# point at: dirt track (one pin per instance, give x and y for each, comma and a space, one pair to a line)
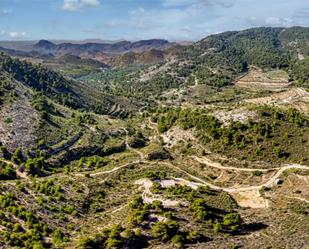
209, 162
249, 195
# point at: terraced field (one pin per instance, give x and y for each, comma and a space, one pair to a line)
258, 80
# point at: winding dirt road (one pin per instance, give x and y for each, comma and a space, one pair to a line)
110, 171
270, 182
208, 162
149, 197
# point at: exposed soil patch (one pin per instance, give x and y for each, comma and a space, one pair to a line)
250, 198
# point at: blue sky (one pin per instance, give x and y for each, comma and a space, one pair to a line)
142, 19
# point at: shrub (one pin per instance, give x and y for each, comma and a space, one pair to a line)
200, 210
178, 241
194, 236
137, 142
257, 173
57, 236
7, 172
232, 222
17, 156
164, 230
159, 155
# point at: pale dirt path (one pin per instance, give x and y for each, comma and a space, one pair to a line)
219, 177
208, 162
248, 191
298, 198
142, 156
248, 196
193, 185
153, 125
245, 196
112, 170
117, 209
269, 183
57, 148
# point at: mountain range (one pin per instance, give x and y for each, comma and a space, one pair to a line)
48, 47
114, 54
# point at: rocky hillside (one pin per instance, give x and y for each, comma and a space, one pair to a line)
219, 60
53, 85
198, 146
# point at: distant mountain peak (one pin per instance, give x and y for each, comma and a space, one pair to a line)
44, 44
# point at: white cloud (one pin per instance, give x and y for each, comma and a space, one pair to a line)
13, 34
17, 34
169, 23
75, 5
192, 19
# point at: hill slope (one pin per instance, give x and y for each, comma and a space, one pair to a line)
200, 150
53, 85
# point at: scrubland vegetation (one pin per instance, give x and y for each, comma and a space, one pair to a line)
174, 154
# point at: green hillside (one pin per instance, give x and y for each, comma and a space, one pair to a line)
207, 148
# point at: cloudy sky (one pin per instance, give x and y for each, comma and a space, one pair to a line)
142, 19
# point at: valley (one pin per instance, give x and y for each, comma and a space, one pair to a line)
163, 145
